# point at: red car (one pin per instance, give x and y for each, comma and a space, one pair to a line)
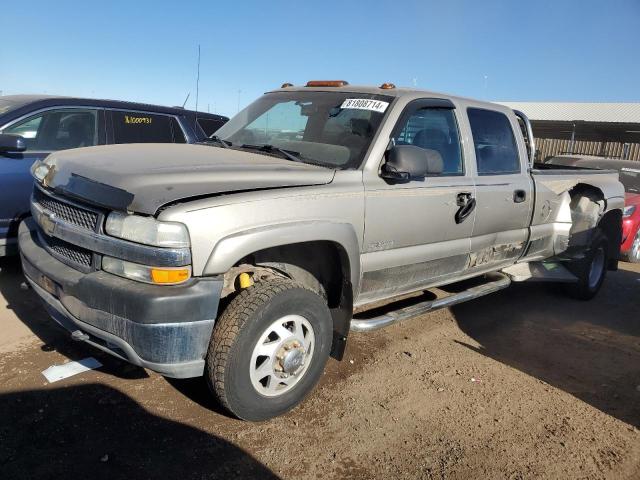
630, 178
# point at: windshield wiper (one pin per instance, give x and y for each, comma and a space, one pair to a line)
293, 156
215, 138
290, 154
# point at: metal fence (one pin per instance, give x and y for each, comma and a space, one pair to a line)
547, 147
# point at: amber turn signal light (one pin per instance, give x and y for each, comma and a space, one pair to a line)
170, 275
387, 86
327, 83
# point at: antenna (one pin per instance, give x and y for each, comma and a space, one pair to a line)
195, 122
198, 78
185, 100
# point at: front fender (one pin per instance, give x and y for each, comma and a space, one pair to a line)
229, 250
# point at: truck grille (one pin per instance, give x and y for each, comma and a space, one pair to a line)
74, 256
72, 213
69, 213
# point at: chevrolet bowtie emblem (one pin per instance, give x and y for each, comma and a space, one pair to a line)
48, 223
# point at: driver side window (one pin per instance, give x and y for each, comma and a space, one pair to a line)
434, 129
58, 129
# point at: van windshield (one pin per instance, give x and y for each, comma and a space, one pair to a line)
332, 129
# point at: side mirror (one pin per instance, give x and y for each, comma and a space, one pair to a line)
10, 143
406, 162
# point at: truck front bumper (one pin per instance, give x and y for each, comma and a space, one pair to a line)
163, 328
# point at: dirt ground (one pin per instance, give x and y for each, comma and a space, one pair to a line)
524, 383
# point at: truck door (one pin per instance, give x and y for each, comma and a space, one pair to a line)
414, 233
503, 189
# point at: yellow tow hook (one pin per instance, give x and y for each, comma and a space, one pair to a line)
245, 280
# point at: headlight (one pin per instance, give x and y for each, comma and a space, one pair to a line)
40, 170
147, 230
145, 273
628, 210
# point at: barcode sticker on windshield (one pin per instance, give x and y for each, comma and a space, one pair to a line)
365, 104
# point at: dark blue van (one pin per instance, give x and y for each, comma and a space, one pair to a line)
32, 126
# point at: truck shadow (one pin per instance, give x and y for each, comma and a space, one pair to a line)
588, 349
94, 431
27, 307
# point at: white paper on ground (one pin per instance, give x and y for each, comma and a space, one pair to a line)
60, 372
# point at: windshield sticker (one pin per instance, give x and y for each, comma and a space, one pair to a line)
130, 119
365, 104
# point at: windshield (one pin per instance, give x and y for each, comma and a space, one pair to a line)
332, 129
630, 178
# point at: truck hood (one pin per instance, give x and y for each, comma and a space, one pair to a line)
144, 177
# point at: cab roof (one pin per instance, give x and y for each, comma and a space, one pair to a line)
397, 92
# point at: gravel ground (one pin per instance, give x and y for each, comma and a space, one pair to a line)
524, 383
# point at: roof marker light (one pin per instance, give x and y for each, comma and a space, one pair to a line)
387, 86
286, 85
327, 83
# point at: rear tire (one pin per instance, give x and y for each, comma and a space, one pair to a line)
268, 349
591, 270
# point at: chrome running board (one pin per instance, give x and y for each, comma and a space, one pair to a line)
495, 282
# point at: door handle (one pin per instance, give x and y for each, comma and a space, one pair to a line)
519, 196
463, 198
466, 203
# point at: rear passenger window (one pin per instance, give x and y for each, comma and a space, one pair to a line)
136, 127
495, 145
434, 129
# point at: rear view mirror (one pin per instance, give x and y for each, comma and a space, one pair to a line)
406, 162
10, 143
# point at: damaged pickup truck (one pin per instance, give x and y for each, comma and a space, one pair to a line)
244, 259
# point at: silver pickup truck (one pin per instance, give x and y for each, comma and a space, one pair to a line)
245, 258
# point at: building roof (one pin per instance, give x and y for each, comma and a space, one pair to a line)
587, 112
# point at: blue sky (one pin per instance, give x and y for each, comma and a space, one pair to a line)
493, 49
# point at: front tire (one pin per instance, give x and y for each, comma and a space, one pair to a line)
591, 270
268, 349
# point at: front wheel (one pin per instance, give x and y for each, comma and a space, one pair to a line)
591, 270
268, 349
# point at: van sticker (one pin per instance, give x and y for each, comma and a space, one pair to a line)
138, 120
365, 104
